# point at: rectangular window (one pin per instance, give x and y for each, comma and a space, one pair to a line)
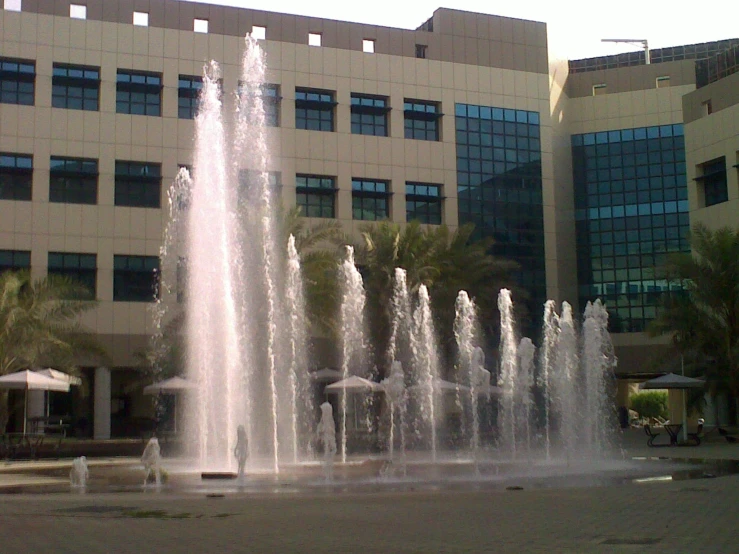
139, 93
271, 101
135, 278
421, 51
423, 203
138, 184
73, 180
250, 185
714, 183
259, 32
15, 260
368, 46
421, 119
200, 25
599, 89
16, 176
80, 267
314, 39
12, 5
188, 92
316, 194
17, 81
663, 81
370, 199
141, 19
78, 11
314, 109
369, 115
75, 87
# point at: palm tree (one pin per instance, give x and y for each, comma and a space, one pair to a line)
445, 261
702, 317
39, 324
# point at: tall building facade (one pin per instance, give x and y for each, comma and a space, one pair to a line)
586, 172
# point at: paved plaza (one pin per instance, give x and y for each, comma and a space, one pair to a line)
692, 516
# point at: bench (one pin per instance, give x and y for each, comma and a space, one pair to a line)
651, 436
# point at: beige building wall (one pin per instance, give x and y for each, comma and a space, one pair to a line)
470, 60
710, 136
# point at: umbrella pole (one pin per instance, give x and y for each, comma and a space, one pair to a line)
25, 411
685, 415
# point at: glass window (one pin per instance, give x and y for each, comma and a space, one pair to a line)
73, 180
135, 278
258, 32
141, 19
138, 184
251, 182
75, 87
421, 51
16, 176
15, 260
421, 119
139, 93
78, 11
369, 115
80, 267
714, 183
188, 92
423, 203
271, 101
631, 199
316, 195
370, 199
17, 81
314, 109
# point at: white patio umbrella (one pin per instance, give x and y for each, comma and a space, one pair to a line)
354, 384
326, 375
674, 381
31, 380
170, 386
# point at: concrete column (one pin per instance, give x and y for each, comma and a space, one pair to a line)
101, 417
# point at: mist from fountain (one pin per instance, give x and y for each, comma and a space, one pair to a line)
351, 313
524, 412
547, 354
465, 335
565, 391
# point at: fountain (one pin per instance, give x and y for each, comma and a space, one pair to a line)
152, 460
394, 386
507, 379
79, 473
470, 362
327, 438
565, 389
546, 364
524, 414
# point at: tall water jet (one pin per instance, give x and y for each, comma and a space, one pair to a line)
598, 361
300, 409
214, 350
395, 392
546, 363
351, 313
426, 357
564, 381
465, 324
526, 355
508, 372
251, 150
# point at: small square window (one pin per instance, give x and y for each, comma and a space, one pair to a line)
368, 45
200, 25
258, 32
141, 19
663, 81
421, 51
599, 89
77, 11
12, 5
314, 39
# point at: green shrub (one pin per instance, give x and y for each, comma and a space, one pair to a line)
650, 403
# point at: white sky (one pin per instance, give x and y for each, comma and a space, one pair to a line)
575, 26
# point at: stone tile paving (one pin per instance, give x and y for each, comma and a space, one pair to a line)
697, 516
